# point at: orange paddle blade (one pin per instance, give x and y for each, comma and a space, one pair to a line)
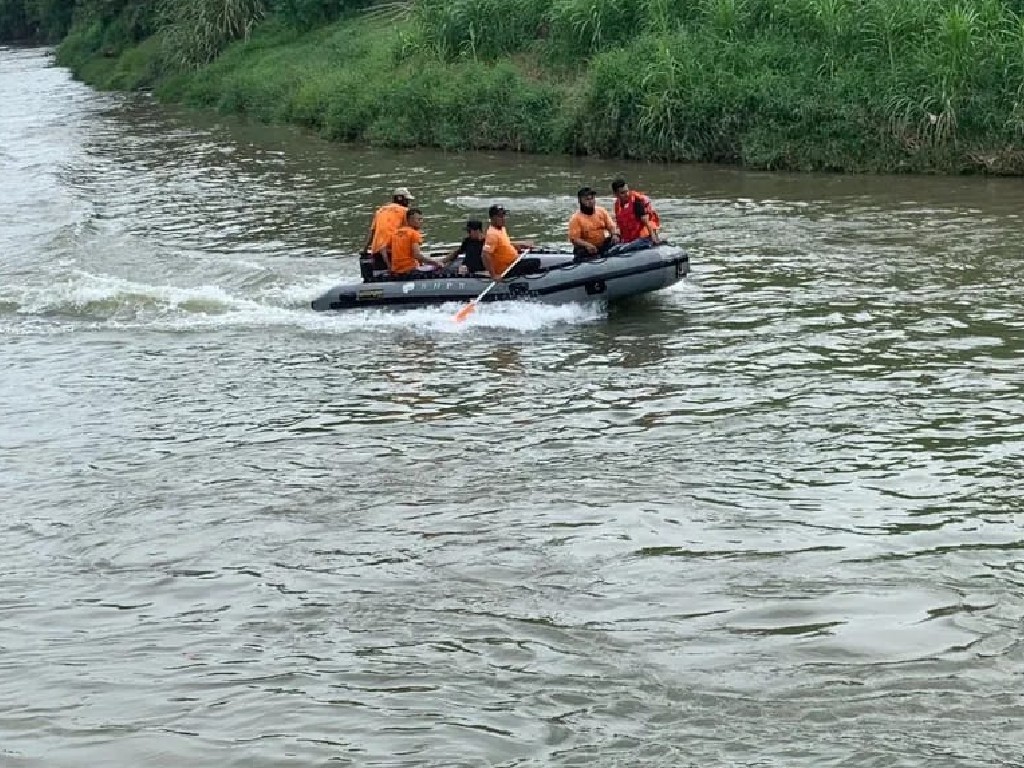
465, 312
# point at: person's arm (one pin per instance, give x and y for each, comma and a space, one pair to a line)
640, 211
452, 255
418, 255
653, 229
609, 224
486, 254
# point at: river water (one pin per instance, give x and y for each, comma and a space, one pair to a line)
767, 517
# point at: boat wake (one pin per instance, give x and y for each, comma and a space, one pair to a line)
84, 301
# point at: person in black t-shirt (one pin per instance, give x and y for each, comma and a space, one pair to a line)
471, 249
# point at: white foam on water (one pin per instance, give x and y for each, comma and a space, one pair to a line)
116, 302
297, 294
108, 296
517, 316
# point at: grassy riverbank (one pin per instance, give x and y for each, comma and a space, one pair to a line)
877, 85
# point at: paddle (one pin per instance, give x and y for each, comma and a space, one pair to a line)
467, 310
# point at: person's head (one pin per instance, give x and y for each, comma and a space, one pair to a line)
402, 196
587, 198
475, 229
414, 218
497, 214
620, 189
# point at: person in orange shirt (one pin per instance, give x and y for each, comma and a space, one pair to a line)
591, 229
386, 221
404, 253
499, 250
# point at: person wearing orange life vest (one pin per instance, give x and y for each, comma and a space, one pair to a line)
404, 254
386, 221
635, 215
499, 250
591, 229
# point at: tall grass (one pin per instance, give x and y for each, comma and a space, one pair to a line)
196, 31
849, 85
723, 18
323, 82
478, 29
584, 27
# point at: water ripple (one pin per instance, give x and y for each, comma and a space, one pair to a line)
779, 496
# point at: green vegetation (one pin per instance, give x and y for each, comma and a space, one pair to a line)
34, 21
876, 85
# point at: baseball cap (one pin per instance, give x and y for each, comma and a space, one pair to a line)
403, 192
495, 210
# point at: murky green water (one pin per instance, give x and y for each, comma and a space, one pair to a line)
768, 517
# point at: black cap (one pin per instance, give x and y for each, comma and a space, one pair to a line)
496, 210
584, 191
473, 225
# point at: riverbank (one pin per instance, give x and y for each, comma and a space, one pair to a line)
929, 86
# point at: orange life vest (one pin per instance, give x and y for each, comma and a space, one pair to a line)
630, 226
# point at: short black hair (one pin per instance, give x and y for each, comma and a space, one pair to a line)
584, 191
495, 210
474, 224
412, 212
618, 184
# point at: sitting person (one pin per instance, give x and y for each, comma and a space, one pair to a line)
471, 249
386, 221
591, 229
635, 215
404, 254
500, 253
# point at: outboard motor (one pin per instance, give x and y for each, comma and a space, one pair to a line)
373, 268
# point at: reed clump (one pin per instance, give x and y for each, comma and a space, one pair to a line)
871, 85
195, 32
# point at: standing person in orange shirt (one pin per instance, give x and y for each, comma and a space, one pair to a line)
591, 229
635, 215
404, 254
386, 221
499, 250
